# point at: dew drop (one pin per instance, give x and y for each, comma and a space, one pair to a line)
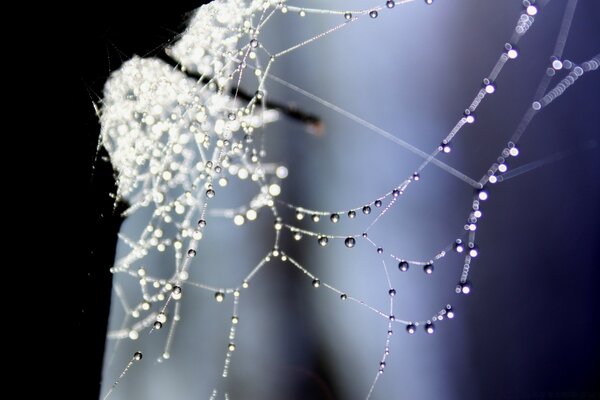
403, 266
350, 242
210, 193
191, 253
202, 223
377, 203
392, 292
231, 347
316, 283
428, 268
445, 147
373, 13
429, 2
366, 210
411, 328
463, 287
299, 216
334, 218
176, 290
429, 328
137, 356
297, 236
254, 43
323, 240
380, 250
219, 297
315, 218
351, 214
474, 251
161, 317
343, 296
449, 312
390, 3
348, 16
157, 325
395, 193
459, 247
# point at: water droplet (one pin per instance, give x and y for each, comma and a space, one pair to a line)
231, 347
210, 193
512, 52
469, 116
377, 203
474, 251
392, 292
373, 13
411, 328
161, 317
343, 296
316, 283
231, 116
392, 318
219, 297
390, 3
366, 210
348, 16
157, 325
176, 290
254, 43
380, 250
323, 240
536, 105
395, 193
449, 312
459, 247
259, 94
428, 268
489, 86
191, 253
350, 242
403, 266
445, 147
299, 215
137, 356
315, 218
334, 218
464, 287
429, 328
416, 176
202, 223
429, 2
297, 236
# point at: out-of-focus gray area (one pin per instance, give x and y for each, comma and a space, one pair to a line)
529, 324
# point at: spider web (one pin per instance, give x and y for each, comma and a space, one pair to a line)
197, 160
